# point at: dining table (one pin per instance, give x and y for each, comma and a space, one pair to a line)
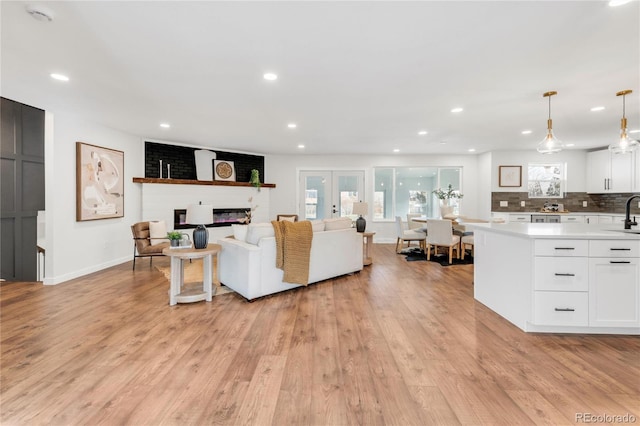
457, 222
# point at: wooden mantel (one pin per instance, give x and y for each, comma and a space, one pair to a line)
198, 182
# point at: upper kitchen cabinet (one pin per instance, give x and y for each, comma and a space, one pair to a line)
608, 172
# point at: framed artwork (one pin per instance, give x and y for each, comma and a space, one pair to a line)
224, 170
99, 182
510, 176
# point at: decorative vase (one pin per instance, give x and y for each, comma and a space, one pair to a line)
175, 243
361, 224
200, 237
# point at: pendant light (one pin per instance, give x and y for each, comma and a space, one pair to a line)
550, 144
624, 145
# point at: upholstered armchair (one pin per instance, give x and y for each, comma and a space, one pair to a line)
144, 245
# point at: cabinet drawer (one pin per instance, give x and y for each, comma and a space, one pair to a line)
561, 308
519, 218
562, 248
561, 273
572, 219
614, 248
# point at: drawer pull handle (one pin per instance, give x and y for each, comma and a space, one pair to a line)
564, 275
620, 249
565, 310
619, 261
565, 248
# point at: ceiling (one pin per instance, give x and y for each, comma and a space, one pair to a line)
356, 77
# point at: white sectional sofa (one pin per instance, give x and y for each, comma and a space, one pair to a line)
248, 266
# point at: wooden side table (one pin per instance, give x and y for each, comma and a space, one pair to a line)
178, 256
367, 240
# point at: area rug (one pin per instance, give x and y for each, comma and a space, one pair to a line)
193, 275
443, 259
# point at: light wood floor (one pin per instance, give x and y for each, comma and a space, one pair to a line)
401, 343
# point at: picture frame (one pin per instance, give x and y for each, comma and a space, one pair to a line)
99, 182
510, 176
224, 170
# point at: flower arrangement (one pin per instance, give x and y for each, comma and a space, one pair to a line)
248, 213
448, 194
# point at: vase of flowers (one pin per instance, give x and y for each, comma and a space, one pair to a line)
445, 196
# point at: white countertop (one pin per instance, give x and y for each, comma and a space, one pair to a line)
559, 230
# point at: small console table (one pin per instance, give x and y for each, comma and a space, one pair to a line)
178, 256
367, 240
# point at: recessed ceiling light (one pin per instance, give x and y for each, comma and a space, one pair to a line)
458, 109
634, 131
443, 142
526, 132
300, 146
292, 125
570, 144
614, 3
270, 76
472, 150
165, 125
396, 150
422, 132
598, 108
59, 77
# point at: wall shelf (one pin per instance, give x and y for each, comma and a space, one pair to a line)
199, 182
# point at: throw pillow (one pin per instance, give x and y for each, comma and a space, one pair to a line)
317, 225
240, 232
158, 232
337, 223
257, 231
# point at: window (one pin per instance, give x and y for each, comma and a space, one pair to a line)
545, 180
402, 190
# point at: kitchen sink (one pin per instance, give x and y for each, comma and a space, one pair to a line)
626, 231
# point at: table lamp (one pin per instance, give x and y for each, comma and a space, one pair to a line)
360, 209
200, 215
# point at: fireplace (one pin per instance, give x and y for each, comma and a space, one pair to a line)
221, 217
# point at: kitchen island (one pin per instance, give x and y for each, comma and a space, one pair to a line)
559, 278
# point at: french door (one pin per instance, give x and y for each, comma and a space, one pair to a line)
329, 193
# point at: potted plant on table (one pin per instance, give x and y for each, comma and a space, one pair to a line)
174, 237
444, 196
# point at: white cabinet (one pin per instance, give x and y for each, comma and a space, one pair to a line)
586, 283
608, 172
561, 283
592, 219
614, 283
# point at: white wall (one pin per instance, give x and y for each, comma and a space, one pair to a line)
283, 171
484, 185
75, 248
576, 161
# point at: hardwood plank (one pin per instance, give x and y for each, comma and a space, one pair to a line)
398, 343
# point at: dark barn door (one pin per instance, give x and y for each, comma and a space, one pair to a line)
21, 189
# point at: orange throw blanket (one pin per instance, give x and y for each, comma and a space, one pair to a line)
293, 249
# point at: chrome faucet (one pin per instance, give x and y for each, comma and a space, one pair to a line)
627, 214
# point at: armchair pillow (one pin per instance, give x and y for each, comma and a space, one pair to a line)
157, 232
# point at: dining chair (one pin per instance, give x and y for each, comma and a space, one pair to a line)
410, 223
441, 235
466, 240
408, 235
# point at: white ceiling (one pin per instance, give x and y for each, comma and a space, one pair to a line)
355, 76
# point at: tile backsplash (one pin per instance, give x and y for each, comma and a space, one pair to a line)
572, 201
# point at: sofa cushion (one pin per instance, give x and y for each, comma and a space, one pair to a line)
257, 231
317, 225
240, 232
337, 223
157, 232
